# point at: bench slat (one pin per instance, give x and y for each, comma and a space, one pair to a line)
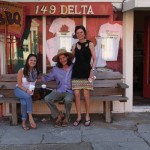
122, 85
8, 77
99, 74
106, 91
11, 85
96, 92
106, 83
108, 75
52, 84
101, 98
109, 98
9, 100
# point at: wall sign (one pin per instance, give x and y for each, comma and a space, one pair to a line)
65, 10
68, 8
12, 18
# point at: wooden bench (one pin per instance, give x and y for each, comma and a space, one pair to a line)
108, 87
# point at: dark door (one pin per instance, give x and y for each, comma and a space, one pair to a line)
146, 88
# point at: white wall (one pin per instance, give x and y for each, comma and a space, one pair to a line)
136, 4
2, 54
128, 18
128, 30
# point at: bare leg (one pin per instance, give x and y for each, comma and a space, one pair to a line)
78, 107
24, 126
31, 120
23, 123
87, 104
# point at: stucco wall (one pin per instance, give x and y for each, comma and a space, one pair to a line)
128, 30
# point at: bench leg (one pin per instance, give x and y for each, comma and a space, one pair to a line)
107, 111
1, 110
14, 114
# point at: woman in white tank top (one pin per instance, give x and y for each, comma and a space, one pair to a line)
26, 80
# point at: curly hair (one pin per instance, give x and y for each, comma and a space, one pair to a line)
69, 62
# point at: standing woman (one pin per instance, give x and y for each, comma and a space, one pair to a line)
83, 69
26, 78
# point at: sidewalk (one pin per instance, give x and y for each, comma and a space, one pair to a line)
130, 131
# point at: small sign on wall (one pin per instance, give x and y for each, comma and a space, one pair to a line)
12, 18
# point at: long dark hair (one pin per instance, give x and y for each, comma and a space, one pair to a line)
26, 66
69, 62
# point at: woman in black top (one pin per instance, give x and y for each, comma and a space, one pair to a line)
83, 69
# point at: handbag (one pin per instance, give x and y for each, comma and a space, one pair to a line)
40, 93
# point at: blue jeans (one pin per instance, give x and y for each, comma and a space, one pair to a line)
53, 97
26, 102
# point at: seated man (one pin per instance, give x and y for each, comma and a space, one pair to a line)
62, 74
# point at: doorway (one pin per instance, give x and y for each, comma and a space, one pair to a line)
139, 55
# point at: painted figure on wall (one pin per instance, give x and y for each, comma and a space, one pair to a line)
62, 29
108, 45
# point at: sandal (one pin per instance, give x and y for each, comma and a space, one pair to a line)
61, 115
59, 119
65, 123
87, 123
77, 122
32, 124
25, 128
58, 123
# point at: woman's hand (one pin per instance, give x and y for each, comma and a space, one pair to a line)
91, 74
92, 77
29, 92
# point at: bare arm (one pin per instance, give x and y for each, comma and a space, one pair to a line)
73, 49
92, 49
19, 80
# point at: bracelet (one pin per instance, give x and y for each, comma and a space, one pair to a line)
93, 69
